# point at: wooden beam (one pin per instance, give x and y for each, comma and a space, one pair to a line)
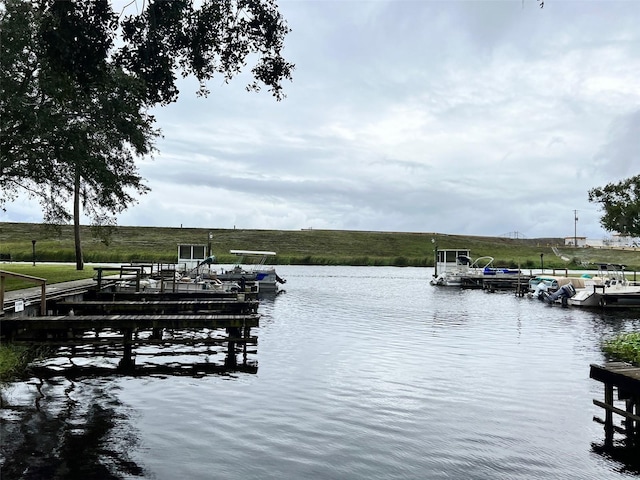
611, 408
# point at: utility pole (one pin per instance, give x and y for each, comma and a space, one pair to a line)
575, 228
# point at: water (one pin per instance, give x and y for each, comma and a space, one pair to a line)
363, 373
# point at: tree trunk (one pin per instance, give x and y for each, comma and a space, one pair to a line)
76, 222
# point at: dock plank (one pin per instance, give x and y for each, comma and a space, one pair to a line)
118, 321
623, 375
156, 306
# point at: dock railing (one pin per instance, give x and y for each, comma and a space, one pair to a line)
135, 272
41, 281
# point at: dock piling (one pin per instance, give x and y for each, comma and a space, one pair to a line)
624, 378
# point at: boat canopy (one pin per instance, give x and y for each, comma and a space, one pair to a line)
252, 252
258, 257
611, 267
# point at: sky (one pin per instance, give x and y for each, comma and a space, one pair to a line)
458, 117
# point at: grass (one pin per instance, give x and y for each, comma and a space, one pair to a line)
10, 361
624, 347
15, 359
294, 247
51, 272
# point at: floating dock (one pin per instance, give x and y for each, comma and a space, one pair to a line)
495, 283
455, 268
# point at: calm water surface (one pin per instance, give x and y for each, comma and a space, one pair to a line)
362, 373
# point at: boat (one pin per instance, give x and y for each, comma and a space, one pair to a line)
251, 267
195, 280
196, 260
609, 288
554, 288
456, 268
551, 283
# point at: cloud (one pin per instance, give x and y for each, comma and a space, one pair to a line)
458, 117
619, 156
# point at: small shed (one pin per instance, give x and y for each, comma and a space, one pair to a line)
575, 241
191, 255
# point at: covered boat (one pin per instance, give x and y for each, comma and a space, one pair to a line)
456, 268
252, 267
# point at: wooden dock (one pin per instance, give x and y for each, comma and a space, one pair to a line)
496, 283
124, 321
39, 330
624, 379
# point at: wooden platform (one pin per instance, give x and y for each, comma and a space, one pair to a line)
625, 379
145, 296
493, 283
155, 307
622, 375
121, 322
40, 327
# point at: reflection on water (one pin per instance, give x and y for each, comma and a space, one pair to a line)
167, 359
364, 373
60, 429
623, 458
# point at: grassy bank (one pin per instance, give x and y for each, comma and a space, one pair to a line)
294, 247
14, 360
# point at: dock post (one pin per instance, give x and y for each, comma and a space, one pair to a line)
99, 279
636, 432
246, 335
43, 299
127, 362
608, 419
632, 425
232, 361
629, 423
156, 333
138, 278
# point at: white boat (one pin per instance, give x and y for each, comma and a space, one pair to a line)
555, 288
551, 283
455, 268
195, 262
192, 273
252, 267
608, 288
184, 283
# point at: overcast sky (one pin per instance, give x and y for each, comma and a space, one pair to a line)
461, 117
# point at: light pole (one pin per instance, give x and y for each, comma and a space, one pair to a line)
575, 229
33, 245
435, 257
209, 245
